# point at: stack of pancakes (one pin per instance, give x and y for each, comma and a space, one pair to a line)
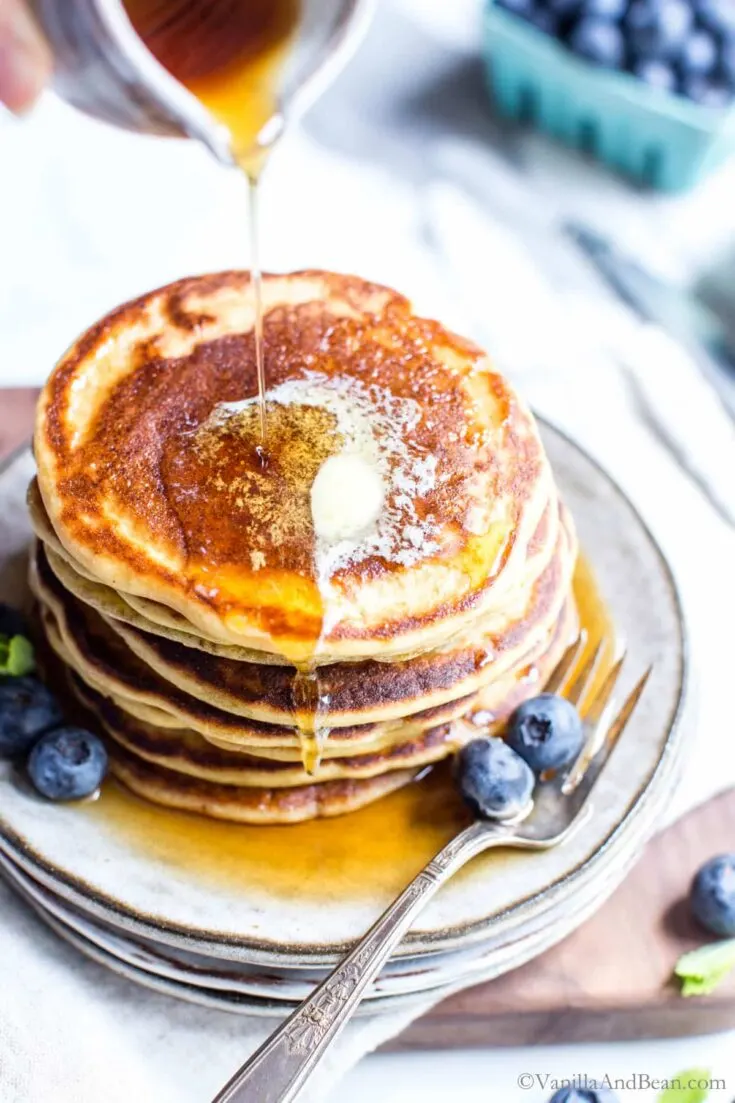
244, 654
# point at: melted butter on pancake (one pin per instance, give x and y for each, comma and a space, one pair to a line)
346, 497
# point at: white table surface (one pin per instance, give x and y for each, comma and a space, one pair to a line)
89, 216
495, 1075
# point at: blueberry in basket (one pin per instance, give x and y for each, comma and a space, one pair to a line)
598, 40
684, 47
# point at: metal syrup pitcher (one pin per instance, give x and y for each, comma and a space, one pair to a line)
102, 66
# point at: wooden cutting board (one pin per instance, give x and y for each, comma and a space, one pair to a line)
611, 980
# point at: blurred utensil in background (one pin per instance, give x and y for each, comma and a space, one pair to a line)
513, 256
679, 368
688, 321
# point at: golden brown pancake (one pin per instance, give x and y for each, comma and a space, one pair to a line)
358, 693
187, 752
145, 441
242, 804
138, 693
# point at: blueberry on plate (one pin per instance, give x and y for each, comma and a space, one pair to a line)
67, 764
27, 709
659, 74
492, 779
587, 1094
12, 621
599, 41
658, 28
698, 54
713, 896
546, 731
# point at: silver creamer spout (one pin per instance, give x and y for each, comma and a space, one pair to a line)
102, 67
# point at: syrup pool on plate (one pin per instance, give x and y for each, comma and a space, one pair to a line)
374, 852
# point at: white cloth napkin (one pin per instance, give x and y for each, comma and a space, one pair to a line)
88, 217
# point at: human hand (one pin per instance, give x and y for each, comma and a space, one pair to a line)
25, 59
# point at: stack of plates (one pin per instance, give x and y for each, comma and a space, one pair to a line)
248, 918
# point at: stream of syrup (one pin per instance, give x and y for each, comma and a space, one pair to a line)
230, 54
375, 851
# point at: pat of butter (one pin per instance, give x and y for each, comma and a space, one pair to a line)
346, 497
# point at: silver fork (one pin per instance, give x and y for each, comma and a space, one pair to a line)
279, 1070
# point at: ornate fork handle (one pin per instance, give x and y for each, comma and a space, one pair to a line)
279, 1069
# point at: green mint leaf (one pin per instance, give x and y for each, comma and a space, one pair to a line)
680, 1092
21, 657
703, 970
16, 656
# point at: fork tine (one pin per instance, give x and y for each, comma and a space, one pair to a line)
565, 664
592, 724
601, 698
583, 789
577, 690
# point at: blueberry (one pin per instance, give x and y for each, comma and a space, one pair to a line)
708, 93
544, 20
564, 9
658, 28
27, 710
493, 780
546, 731
698, 55
717, 16
656, 73
606, 9
598, 40
67, 764
713, 895
518, 7
588, 1094
12, 621
727, 65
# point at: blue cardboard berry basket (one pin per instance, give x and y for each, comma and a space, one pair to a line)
656, 137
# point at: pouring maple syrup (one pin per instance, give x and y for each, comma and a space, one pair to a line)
230, 54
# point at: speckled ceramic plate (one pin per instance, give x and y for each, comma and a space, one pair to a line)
296, 896
292, 986
219, 987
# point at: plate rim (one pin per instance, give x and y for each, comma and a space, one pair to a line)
449, 936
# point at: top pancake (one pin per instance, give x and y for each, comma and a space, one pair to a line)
145, 442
